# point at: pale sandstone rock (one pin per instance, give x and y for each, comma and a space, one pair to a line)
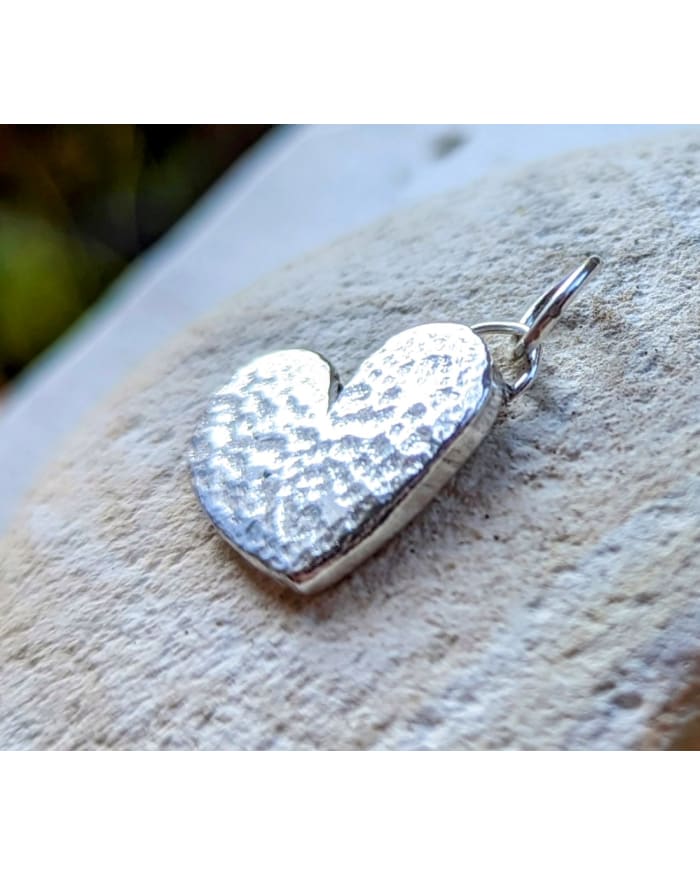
548, 598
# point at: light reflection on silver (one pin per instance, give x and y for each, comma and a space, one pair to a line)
306, 491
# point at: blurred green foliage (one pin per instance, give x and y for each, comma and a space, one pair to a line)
78, 202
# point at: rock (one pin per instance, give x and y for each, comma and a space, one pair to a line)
547, 598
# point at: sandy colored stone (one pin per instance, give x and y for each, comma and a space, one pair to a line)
548, 598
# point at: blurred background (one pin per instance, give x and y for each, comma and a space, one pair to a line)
79, 202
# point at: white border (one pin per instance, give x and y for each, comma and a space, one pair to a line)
350, 813
355, 62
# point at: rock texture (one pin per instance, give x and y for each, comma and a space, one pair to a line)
548, 598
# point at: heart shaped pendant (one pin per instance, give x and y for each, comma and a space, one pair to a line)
306, 479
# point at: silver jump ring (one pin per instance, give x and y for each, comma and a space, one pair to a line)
542, 315
533, 355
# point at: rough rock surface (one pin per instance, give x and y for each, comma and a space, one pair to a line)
548, 598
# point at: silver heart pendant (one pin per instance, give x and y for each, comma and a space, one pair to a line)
306, 479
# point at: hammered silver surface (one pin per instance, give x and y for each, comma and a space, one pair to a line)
295, 473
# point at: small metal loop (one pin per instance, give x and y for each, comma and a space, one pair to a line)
542, 315
517, 329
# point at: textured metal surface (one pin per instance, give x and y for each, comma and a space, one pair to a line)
306, 480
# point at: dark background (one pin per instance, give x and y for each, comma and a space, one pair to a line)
79, 202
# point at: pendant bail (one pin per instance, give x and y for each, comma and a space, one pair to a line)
516, 329
543, 314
